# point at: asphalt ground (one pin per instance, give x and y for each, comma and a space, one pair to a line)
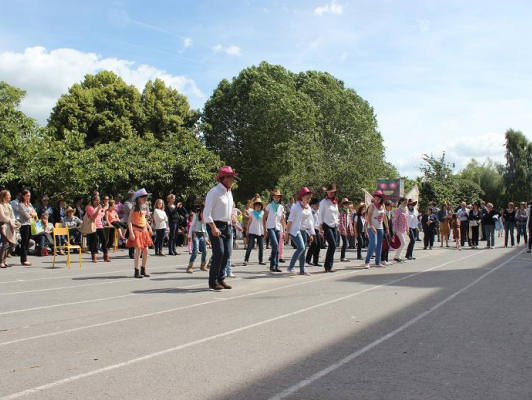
449, 325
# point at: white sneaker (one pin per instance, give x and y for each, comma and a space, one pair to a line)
492, 247
386, 263
367, 266
231, 275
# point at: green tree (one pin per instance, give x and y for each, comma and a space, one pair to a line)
489, 176
518, 170
103, 107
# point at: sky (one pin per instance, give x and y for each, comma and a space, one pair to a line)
447, 76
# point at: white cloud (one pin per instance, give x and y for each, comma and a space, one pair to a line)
333, 8
423, 24
46, 75
231, 50
187, 42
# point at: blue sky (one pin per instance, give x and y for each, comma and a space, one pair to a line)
450, 75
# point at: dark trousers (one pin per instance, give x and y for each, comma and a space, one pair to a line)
475, 233
222, 248
360, 244
428, 237
159, 240
172, 237
93, 241
385, 247
345, 242
464, 232
25, 234
412, 233
251, 244
331, 237
313, 252
509, 227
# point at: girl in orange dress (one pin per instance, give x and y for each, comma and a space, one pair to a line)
455, 225
140, 236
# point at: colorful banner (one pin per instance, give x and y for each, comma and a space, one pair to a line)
392, 188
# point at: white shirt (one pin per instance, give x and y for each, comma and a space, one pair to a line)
301, 218
274, 219
256, 227
328, 213
463, 214
196, 226
159, 218
412, 219
218, 205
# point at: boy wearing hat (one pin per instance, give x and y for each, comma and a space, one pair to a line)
255, 230
73, 223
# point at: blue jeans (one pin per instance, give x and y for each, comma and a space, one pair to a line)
300, 240
331, 236
251, 244
490, 235
374, 245
275, 237
198, 243
509, 227
222, 248
229, 265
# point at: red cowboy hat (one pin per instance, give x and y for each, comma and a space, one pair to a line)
304, 191
226, 171
379, 193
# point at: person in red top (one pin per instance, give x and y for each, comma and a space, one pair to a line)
140, 233
112, 218
96, 213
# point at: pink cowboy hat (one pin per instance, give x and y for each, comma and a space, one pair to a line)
379, 193
225, 171
303, 192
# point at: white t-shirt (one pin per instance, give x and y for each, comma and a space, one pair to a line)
256, 227
328, 213
159, 218
301, 219
274, 219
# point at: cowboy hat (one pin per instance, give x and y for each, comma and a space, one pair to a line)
225, 171
258, 201
141, 193
304, 191
411, 202
330, 188
346, 201
380, 194
69, 209
276, 192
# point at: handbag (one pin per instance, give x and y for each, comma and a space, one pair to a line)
88, 225
36, 227
395, 242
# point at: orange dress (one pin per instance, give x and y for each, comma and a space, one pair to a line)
140, 228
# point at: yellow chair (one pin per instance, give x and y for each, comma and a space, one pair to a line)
64, 232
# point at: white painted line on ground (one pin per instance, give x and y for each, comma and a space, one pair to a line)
287, 392
220, 335
174, 309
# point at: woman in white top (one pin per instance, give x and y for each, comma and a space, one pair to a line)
255, 230
197, 234
160, 224
273, 223
328, 221
299, 220
7, 218
375, 223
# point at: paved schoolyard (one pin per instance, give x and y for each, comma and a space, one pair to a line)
450, 325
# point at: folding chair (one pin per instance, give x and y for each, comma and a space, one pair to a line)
64, 232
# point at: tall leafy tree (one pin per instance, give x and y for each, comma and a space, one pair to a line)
489, 176
518, 169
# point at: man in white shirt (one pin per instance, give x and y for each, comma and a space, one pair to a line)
463, 216
218, 215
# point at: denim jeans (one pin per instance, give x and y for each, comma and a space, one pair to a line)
300, 240
222, 248
229, 264
509, 227
251, 244
410, 249
490, 235
521, 231
374, 245
275, 237
331, 236
172, 237
198, 243
345, 242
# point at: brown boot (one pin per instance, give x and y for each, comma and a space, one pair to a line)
215, 286
225, 285
106, 257
94, 259
190, 268
137, 273
143, 272
203, 266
